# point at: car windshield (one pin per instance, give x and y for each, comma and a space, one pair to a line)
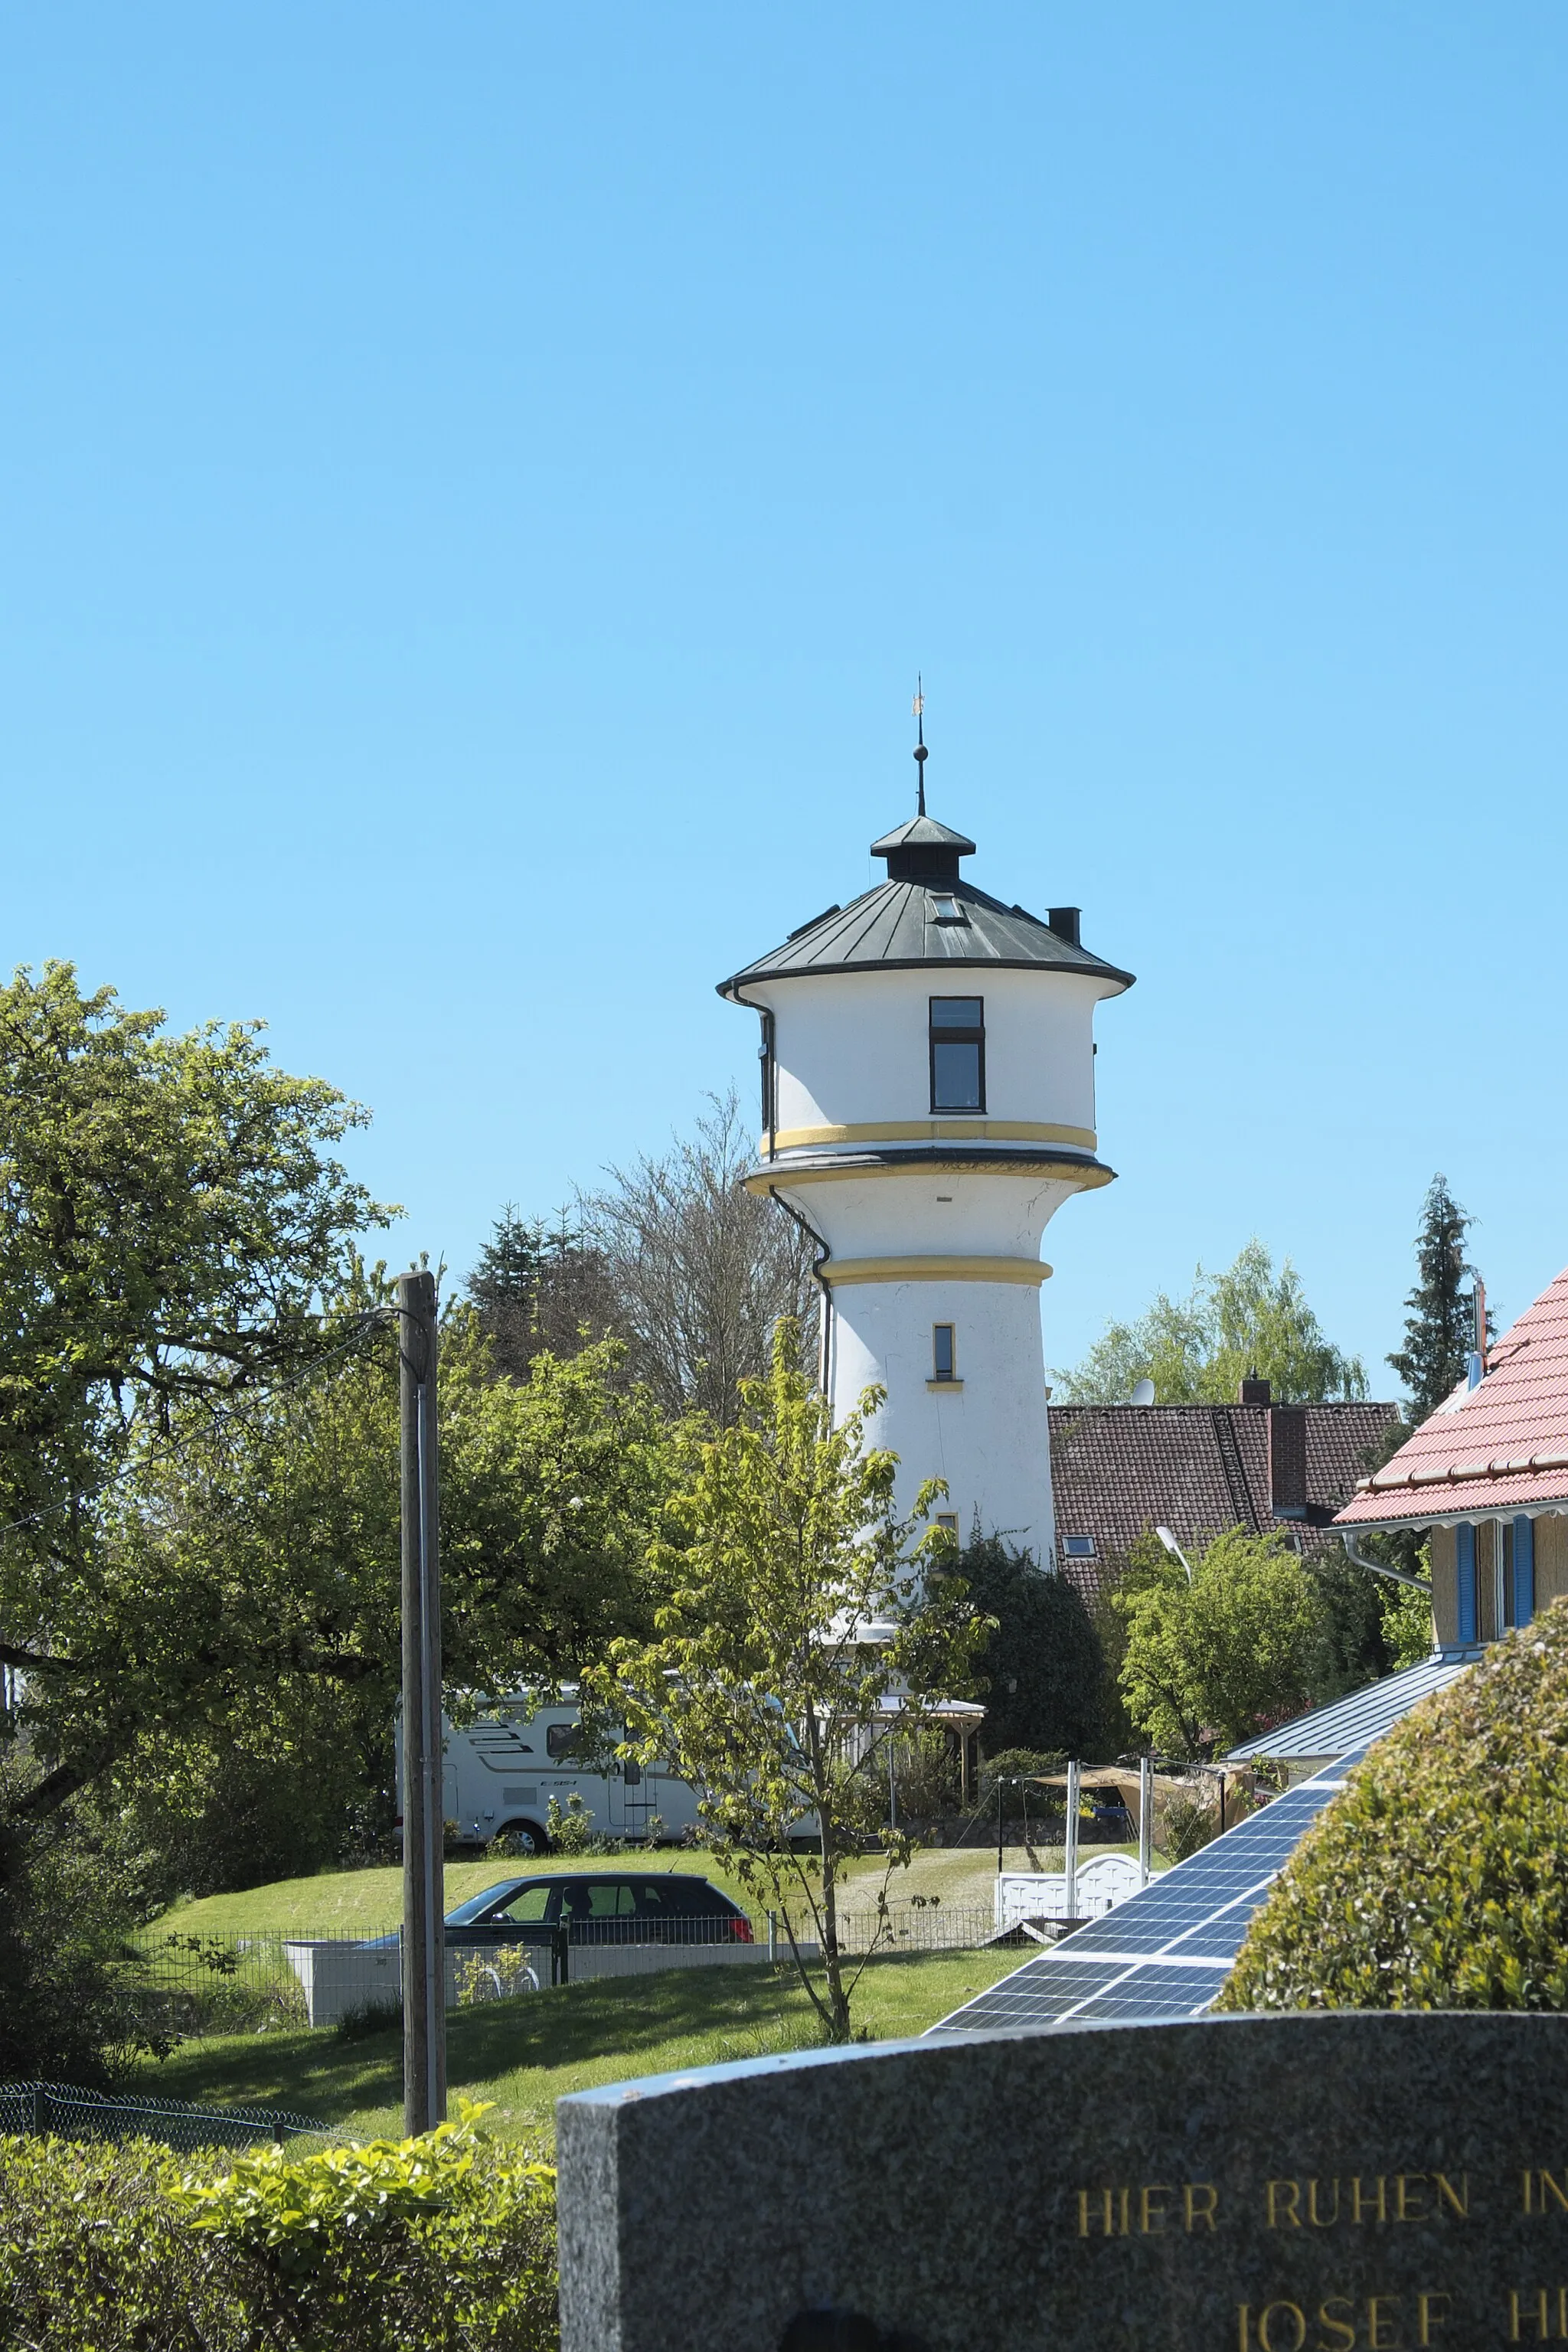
478, 1906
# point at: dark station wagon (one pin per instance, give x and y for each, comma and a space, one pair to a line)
597, 1907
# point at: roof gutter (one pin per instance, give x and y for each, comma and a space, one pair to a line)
1364, 1559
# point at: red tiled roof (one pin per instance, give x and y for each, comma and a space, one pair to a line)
1498, 1447
1196, 1469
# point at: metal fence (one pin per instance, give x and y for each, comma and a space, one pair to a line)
69, 2112
188, 1987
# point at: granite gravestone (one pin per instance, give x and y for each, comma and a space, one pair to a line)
1303, 2183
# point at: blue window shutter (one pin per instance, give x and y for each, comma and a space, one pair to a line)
1464, 1560
1523, 1570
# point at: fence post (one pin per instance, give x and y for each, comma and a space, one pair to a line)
41, 2110
773, 1937
1069, 1859
1145, 1817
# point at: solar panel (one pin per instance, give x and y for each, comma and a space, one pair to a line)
1164, 1952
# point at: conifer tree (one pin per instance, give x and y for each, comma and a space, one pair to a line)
1438, 1330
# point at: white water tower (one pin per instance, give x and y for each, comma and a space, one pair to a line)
928, 1104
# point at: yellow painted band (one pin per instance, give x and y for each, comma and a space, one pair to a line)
779, 1176
934, 1269
934, 1130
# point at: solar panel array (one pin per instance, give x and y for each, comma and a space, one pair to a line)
1164, 1952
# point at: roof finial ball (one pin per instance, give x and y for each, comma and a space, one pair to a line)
921, 753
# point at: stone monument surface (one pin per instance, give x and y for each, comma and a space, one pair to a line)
1304, 2183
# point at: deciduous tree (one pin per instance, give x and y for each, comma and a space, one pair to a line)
797, 1605
1219, 1659
1197, 1349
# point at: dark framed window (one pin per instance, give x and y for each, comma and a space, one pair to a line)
942, 1366
958, 1053
768, 1072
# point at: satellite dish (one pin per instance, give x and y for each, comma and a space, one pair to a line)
1143, 1393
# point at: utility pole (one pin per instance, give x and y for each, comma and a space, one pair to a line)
424, 1935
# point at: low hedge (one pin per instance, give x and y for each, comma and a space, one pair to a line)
1437, 1879
447, 2242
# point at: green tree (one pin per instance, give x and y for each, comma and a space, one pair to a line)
1438, 1331
1219, 1659
796, 1604
1197, 1349
171, 1226
246, 1608
540, 1289
1043, 1665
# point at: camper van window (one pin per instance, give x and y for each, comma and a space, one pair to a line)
563, 1739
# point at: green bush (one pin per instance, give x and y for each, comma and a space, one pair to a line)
446, 2242
1436, 1881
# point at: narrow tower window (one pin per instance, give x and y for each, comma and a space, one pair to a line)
942, 1367
948, 1522
769, 1078
957, 1052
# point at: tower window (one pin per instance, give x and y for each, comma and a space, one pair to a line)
942, 1354
768, 1070
957, 1052
948, 1521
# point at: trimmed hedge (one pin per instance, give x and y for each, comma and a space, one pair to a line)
1436, 1880
447, 2242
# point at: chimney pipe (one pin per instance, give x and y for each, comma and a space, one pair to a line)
1063, 920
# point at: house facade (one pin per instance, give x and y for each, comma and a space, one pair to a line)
1485, 1481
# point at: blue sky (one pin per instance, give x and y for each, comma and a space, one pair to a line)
476, 485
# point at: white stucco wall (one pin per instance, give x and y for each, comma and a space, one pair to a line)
852, 1048
988, 1439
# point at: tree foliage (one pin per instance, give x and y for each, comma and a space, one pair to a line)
540, 1289
1440, 1328
171, 1224
698, 1269
796, 1602
1042, 1666
1436, 1880
1197, 1349
1216, 1661
446, 2241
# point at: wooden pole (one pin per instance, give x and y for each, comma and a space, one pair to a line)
424, 1936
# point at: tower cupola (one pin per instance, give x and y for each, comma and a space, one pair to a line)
923, 851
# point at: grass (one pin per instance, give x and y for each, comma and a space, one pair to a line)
525, 2054
367, 1902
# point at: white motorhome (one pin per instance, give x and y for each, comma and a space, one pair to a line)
499, 1775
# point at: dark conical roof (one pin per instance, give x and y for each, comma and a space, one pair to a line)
925, 913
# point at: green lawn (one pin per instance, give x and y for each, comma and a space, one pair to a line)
366, 1902
525, 2054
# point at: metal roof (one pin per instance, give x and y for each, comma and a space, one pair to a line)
904, 921
1364, 1715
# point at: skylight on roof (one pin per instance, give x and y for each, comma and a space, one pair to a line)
945, 908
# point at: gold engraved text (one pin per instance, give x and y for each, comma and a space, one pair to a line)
1383, 2323
1384, 2198
1156, 2209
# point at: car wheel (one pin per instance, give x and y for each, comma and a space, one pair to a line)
527, 1837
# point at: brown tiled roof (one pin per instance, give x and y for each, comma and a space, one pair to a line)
1196, 1469
1502, 1446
